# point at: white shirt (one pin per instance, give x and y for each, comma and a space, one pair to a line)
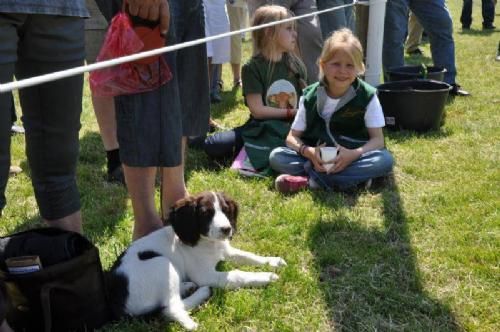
374, 117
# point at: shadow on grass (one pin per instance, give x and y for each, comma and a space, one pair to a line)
400, 136
369, 277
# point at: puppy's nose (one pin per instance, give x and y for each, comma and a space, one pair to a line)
225, 230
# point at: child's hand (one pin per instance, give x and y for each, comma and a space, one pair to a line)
344, 158
312, 153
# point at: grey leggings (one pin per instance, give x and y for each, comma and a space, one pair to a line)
33, 45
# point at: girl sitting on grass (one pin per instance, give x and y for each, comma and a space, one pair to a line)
273, 80
339, 111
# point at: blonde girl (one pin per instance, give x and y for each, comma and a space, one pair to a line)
340, 111
273, 73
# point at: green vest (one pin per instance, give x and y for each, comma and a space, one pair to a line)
347, 124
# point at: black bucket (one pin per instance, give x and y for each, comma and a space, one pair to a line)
415, 105
416, 72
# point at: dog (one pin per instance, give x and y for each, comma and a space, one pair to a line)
158, 271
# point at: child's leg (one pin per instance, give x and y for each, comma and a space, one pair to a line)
287, 161
370, 165
224, 144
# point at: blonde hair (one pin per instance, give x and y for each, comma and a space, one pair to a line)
264, 40
342, 40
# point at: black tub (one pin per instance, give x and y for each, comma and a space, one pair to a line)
415, 104
416, 72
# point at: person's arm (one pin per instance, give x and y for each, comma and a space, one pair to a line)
152, 10
260, 111
346, 156
294, 142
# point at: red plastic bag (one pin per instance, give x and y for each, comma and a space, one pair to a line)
132, 77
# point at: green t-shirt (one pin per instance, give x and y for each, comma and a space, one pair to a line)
277, 85
279, 88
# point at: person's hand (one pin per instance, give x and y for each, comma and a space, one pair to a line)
312, 153
344, 158
152, 10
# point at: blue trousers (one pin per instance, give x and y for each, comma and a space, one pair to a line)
370, 165
487, 10
436, 20
334, 20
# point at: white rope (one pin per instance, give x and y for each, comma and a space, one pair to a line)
113, 62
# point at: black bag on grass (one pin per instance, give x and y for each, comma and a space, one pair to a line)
54, 281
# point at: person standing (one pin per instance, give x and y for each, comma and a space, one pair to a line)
487, 10
436, 21
337, 19
39, 37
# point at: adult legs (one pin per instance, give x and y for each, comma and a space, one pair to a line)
488, 11
415, 31
466, 16
395, 28
6, 75
51, 115
436, 20
309, 37
336, 19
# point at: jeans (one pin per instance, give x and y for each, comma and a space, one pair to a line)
224, 144
488, 11
336, 19
435, 18
372, 164
33, 45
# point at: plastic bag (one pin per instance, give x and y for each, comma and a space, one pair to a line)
132, 77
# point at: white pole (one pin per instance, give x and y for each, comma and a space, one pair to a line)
375, 40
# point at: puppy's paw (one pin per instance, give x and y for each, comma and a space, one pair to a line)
276, 261
189, 325
273, 277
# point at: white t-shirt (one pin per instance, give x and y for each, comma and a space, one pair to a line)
374, 117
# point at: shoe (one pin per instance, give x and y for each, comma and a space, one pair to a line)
215, 98
416, 51
288, 184
15, 129
489, 27
465, 27
116, 176
14, 170
456, 90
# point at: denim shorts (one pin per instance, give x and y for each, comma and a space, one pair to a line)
151, 125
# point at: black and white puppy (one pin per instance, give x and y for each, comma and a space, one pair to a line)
156, 271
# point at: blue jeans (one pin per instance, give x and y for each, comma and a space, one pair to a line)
370, 165
224, 144
336, 19
488, 11
436, 20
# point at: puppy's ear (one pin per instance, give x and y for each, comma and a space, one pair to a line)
230, 209
184, 220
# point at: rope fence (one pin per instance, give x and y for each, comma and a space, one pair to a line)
15, 85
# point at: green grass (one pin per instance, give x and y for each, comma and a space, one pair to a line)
421, 254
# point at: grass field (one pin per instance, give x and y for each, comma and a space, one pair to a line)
421, 254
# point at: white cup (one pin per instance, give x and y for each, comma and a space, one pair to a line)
327, 154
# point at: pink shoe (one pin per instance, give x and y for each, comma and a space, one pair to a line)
288, 184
